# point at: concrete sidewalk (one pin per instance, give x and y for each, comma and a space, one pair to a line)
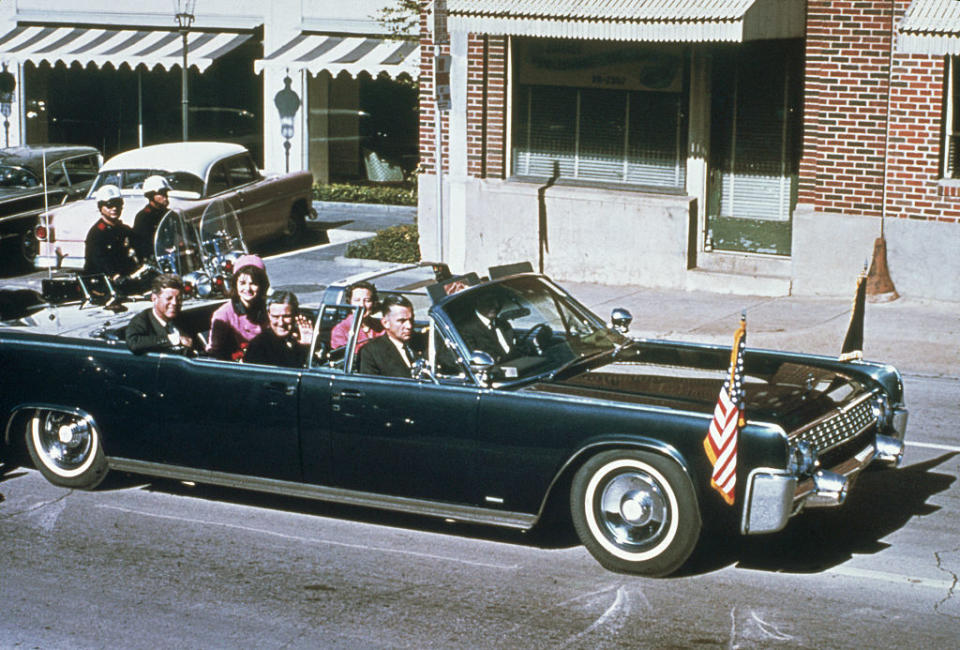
916, 336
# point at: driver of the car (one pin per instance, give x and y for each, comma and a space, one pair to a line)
484, 330
156, 189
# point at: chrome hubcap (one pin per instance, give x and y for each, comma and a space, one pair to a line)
633, 511
65, 440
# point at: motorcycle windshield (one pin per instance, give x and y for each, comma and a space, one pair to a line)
175, 245
220, 233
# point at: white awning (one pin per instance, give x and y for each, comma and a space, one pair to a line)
350, 54
632, 20
930, 27
115, 47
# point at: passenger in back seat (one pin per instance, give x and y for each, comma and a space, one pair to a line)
158, 329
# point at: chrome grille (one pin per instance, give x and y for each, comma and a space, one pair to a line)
837, 428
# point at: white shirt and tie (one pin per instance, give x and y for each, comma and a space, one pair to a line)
501, 337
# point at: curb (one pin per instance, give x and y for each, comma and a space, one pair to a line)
342, 206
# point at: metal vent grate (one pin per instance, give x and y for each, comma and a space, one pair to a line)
836, 429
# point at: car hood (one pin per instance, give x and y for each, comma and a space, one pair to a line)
782, 391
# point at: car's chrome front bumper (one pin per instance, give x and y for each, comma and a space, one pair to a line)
774, 495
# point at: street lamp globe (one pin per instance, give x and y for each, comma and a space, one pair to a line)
184, 11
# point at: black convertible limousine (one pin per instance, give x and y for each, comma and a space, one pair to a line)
581, 418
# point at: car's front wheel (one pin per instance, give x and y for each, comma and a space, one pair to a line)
67, 450
635, 511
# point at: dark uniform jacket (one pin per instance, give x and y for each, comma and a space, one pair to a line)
110, 249
478, 336
144, 333
144, 228
269, 349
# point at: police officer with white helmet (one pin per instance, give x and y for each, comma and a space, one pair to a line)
156, 189
109, 243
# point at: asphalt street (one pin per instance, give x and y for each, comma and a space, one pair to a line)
155, 564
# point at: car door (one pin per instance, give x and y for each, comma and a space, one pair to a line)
230, 417
402, 437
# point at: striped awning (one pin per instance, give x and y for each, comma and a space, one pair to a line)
350, 54
930, 27
115, 47
632, 20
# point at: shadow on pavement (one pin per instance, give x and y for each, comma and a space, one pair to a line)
881, 502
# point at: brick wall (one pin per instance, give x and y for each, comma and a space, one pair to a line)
846, 142
845, 105
428, 106
486, 105
916, 116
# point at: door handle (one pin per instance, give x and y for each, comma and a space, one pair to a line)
348, 393
279, 387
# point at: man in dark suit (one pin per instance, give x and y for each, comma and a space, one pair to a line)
484, 330
391, 355
156, 329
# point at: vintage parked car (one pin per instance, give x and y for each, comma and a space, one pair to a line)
202, 175
580, 418
70, 169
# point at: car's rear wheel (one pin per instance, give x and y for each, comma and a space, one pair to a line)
635, 511
296, 224
28, 246
67, 449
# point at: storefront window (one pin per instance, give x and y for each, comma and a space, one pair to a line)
597, 112
951, 148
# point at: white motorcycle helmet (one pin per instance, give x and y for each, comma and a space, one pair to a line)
154, 184
107, 193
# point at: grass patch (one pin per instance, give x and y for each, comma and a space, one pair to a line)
381, 193
394, 244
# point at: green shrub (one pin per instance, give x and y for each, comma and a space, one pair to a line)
393, 244
390, 194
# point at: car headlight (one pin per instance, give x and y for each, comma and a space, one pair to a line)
802, 459
882, 410
200, 283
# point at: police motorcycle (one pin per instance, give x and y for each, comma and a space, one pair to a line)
201, 253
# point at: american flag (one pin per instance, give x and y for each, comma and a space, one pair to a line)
721, 441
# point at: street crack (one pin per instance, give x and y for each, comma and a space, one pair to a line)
953, 576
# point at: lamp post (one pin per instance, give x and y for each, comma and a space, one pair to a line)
184, 12
8, 84
288, 103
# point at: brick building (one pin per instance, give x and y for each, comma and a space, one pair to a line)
759, 146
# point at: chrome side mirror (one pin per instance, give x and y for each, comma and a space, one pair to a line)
621, 318
482, 364
420, 370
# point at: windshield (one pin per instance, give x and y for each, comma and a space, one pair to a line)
132, 179
528, 326
175, 247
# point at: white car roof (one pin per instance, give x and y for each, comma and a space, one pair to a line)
193, 157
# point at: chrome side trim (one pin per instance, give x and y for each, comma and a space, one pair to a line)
471, 514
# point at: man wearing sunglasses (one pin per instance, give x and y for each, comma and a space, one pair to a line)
110, 242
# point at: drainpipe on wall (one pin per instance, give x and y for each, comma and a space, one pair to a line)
879, 284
